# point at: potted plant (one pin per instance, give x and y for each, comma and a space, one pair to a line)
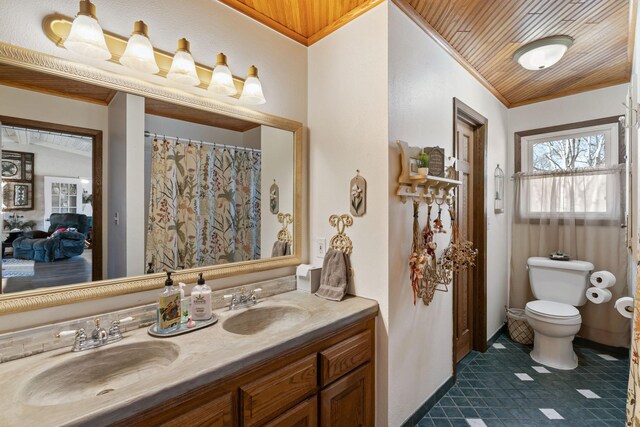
423, 164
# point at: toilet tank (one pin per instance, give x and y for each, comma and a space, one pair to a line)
559, 281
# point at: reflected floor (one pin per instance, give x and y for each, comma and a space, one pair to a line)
48, 274
488, 391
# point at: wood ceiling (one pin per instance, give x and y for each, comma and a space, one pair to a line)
484, 34
305, 21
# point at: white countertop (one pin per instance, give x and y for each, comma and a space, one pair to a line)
204, 356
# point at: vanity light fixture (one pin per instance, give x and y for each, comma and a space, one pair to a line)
222, 79
138, 54
252, 91
86, 36
183, 68
543, 53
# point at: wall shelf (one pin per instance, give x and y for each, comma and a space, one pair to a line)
427, 189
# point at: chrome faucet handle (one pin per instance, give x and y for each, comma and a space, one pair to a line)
114, 330
80, 341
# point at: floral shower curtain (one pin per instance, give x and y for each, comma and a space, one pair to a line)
204, 206
633, 390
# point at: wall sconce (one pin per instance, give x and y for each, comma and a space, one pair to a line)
86, 36
498, 203
183, 67
222, 79
252, 92
139, 54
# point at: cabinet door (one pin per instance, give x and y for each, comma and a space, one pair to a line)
303, 415
215, 413
349, 401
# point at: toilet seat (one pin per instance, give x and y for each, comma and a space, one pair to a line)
553, 312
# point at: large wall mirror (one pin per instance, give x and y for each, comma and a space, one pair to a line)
106, 188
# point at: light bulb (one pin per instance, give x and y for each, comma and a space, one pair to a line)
139, 54
86, 37
222, 79
252, 91
183, 68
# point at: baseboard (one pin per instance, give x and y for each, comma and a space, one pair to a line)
501, 330
615, 351
419, 414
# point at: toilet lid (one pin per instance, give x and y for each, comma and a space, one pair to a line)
552, 309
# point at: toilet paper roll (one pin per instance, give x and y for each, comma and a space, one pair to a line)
598, 296
603, 279
624, 306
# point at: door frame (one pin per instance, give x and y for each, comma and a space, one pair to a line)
96, 171
463, 112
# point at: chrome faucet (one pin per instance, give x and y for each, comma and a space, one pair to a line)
241, 300
99, 336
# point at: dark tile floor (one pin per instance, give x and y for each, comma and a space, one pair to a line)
489, 393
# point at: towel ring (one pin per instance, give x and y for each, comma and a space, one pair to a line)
341, 241
284, 235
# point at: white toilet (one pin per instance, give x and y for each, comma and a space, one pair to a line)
559, 287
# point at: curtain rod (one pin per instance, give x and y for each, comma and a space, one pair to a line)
197, 141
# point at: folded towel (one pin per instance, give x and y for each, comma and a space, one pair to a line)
280, 249
335, 275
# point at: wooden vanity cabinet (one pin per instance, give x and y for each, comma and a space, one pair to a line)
327, 382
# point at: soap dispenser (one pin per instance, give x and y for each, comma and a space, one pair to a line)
168, 307
201, 300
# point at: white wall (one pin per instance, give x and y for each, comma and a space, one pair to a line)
48, 162
277, 163
348, 116
423, 80
126, 180
211, 27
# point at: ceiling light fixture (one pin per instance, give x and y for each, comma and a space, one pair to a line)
543, 53
252, 91
138, 54
183, 68
222, 79
86, 37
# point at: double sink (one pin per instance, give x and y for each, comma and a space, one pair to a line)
114, 368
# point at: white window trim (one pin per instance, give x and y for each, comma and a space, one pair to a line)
611, 142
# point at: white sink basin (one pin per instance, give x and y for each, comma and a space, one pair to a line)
99, 372
265, 320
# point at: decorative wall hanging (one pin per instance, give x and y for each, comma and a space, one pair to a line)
498, 202
274, 198
436, 161
18, 180
413, 185
418, 260
358, 195
459, 255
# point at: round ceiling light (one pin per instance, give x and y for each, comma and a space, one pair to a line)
543, 53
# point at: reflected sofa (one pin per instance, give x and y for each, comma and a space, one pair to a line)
54, 245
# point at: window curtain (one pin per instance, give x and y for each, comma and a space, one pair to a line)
579, 212
204, 206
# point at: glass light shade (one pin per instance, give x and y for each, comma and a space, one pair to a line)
543, 53
222, 79
252, 91
139, 54
183, 68
86, 38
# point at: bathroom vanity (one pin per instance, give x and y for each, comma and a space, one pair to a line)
292, 359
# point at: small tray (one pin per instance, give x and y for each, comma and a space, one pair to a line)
183, 328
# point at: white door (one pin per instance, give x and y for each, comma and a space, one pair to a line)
61, 195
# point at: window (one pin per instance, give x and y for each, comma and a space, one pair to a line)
569, 174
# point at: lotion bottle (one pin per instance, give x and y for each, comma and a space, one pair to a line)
168, 307
201, 301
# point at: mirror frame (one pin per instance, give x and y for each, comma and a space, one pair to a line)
50, 297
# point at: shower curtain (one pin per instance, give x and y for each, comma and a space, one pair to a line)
579, 212
204, 206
